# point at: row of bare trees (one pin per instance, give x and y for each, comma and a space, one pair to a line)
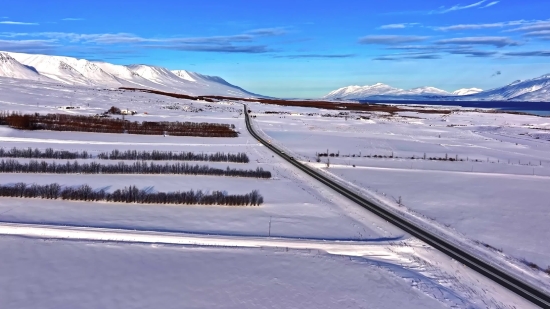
84, 123
129, 194
142, 167
154, 155
48, 153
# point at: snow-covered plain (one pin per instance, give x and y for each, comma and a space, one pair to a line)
276, 272
390, 269
60, 274
497, 196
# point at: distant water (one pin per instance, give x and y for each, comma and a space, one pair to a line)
535, 108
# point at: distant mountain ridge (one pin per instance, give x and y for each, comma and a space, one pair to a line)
535, 90
72, 71
379, 89
467, 91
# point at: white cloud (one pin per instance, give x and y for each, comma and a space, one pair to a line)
543, 33
398, 26
491, 4
482, 26
459, 7
8, 22
533, 26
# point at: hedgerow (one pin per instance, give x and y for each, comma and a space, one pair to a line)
142, 167
129, 194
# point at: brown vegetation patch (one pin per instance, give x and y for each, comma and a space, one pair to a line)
83, 123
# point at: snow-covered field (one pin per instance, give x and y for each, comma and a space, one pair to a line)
305, 246
498, 195
60, 274
128, 268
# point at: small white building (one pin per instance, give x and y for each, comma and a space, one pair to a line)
127, 112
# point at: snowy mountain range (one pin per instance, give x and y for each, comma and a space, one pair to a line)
72, 71
536, 89
379, 89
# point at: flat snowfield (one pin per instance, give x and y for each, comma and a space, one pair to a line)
496, 194
488, 213
57, 274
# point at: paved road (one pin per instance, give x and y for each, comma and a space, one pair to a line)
496, 274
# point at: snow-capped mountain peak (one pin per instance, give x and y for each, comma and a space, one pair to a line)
380, 89
183, 74
74, 71
535, 89
9, 67
467, 91
427, 90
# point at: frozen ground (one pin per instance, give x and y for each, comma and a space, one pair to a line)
127, 268
500, 200
510, 214
373, 265
102, 275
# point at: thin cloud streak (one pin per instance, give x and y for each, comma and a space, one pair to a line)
481, 26
256, 49
391, 39
8, 22
459, 7
409, 56
491, 4
329, 56
494, 41
536, 53
268, 32
397, 26
537, 26
31, 46
445, 10
541, 33
473, 53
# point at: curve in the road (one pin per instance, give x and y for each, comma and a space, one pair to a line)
494, 273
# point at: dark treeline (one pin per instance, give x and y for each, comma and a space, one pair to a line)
83, 123
34, 166
174, 156
129, 194
49, 153
154, 155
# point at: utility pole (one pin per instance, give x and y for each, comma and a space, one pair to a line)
269, 234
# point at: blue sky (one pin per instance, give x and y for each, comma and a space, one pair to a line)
297, 48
